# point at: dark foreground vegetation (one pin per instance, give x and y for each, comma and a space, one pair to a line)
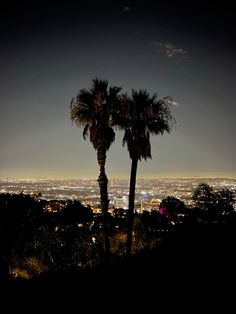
183, 261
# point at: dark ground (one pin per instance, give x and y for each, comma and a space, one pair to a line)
192, 271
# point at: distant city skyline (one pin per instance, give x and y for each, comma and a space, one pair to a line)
50, 51
31, 178
149, 191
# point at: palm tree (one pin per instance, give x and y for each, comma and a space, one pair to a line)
142, 116
92, 109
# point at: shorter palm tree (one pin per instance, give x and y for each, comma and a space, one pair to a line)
141, 116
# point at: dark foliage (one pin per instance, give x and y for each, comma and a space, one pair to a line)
191, 267
192, 270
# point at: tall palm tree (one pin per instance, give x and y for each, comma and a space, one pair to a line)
142, 115
92, 109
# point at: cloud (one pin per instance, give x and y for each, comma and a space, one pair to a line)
170, 50
171, 102
174, 103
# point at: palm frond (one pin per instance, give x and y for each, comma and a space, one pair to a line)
85, 96
85, 131
109, 137
113, 92
99, 86
94, 138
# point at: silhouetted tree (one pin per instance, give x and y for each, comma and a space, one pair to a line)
141, 115
18, 215
172, 206
213, 203
77, 213
225, 201
92, 109
204, 196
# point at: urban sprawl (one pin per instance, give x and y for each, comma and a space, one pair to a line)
149, 191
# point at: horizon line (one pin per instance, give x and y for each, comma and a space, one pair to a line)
19, 178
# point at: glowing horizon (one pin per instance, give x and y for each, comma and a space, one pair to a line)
31, 178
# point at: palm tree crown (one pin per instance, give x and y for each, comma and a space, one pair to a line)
92, 110
145, 115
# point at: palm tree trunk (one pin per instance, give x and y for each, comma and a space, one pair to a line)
130, 215
103, 182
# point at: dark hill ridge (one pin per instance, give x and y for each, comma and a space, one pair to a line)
192, 271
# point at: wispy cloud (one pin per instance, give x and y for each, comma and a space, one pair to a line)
175, 103
171, 102
170, 50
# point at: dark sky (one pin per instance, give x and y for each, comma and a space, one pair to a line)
51, 50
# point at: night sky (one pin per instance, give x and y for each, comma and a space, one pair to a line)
51, 50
